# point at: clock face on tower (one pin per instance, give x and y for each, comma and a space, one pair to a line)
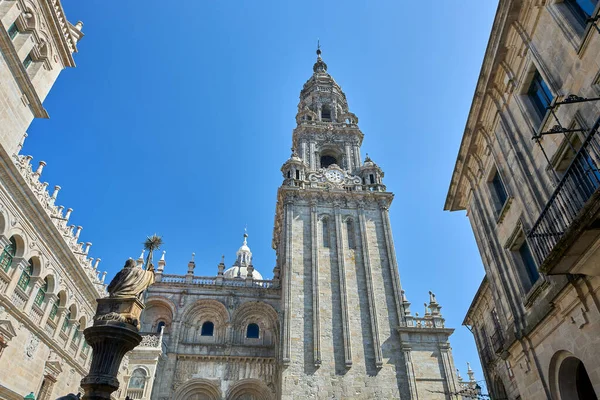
334, 176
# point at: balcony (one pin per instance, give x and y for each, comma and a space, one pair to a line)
568, 224
498, 341
486, 355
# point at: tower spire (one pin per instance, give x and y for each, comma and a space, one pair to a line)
320, 66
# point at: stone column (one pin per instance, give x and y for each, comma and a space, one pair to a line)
36, 284
50, 299
62, 313
287, 281
19, 264
80, 346
447, 364
115, 332
392, 263
314, 240
343, 291
369, 283
410, 372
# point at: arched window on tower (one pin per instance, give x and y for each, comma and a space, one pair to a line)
8, 254
253, 331
327, 160
25, 276
325, 113
160, 325
137, 383
325, 226
350, 231
208, 329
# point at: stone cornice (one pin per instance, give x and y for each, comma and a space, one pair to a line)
21, 194
61, 30
219, 358
339, 131
504, 18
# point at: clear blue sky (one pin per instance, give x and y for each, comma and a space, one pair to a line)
177, 120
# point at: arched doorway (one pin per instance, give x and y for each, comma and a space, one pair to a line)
499, 390
573, 380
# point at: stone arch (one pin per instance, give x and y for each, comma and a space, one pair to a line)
73, 310
569, 379
52, 284
37, 264
62, 298
259, 313
205, 311
249, 389
499, 389
83, 320
198, 389
21, 243
157, 310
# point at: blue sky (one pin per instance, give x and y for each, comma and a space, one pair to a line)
177, 120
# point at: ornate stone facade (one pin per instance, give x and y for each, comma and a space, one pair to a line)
527, 175
48, 283
333, 322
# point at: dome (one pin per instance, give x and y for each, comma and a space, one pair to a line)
241, 272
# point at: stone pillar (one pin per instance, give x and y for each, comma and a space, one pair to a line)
62, 313
36, 284
19, 265
393, 263
314, 240
115, 332
343, 292
287, 280
369, 283
50, 299
410, 371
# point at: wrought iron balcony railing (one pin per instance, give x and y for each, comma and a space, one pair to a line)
486, 355
566, 205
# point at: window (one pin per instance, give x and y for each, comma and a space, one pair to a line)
66, 324
253, 331
76, 335
25, 276
54, 310
582, 9
297, 174
529, 264
326, 161
27, 61
540, 95
350, 230
137, 380
8, 254
325, 227
289, 174
160, 325
208, 329
41, 294
499, 191
13, 31
371, 179
326, 113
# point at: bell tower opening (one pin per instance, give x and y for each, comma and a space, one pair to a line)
327, 160
326, 113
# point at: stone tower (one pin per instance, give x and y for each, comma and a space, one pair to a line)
347, 330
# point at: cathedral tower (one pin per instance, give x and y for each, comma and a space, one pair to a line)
347, 330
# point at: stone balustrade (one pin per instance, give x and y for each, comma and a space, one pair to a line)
216, 281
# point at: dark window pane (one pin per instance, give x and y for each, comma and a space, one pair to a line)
12, 31
160, 326
540, 94
529, 263
253, 331
582, 9
500, 189
207, 329
326, 161
27, 61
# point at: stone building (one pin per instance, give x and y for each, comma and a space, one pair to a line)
48, 283
527, 175
333, 322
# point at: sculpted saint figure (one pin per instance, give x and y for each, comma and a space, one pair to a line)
131, 281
